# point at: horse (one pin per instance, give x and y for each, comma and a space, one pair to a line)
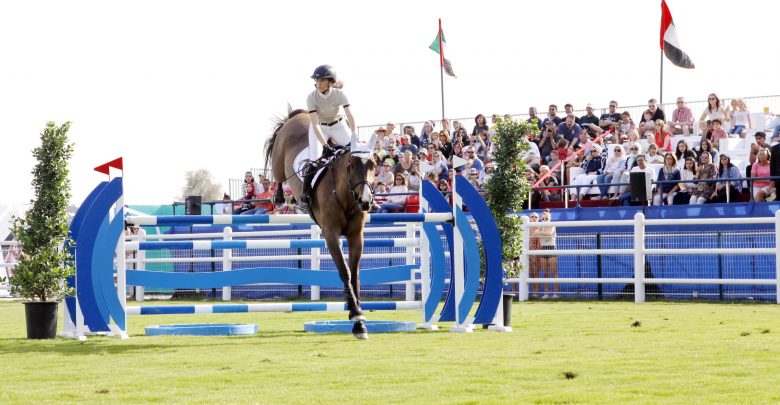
338, 203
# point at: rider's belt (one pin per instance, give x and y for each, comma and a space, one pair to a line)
330, 124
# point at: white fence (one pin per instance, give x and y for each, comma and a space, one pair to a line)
639, 251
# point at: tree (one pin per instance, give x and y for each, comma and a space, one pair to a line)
45, 263
508, 188
200, 182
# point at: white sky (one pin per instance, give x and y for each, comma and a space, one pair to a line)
174, 86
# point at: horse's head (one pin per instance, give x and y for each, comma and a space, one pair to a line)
360, 167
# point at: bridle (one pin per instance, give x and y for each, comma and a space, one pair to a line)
356, 205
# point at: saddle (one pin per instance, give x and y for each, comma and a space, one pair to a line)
316, 169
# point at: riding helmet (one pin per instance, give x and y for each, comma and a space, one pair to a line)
324, 72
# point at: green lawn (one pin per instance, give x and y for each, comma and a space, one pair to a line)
681, 353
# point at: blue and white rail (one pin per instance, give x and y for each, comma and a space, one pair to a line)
270, 307
173, 220
262, 244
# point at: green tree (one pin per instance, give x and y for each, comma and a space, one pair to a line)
45, 263
508, 188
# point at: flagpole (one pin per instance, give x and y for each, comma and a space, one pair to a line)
441, 68
661, 92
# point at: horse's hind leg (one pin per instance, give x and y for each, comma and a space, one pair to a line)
334, 245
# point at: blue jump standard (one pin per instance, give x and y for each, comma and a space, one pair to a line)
346, 326
202, 329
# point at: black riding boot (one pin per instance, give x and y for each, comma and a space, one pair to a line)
307, 179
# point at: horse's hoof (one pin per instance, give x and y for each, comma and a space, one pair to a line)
359, 330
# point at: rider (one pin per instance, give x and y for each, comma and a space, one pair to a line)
326, 122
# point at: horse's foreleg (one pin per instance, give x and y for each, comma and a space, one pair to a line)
355, 246
334, 246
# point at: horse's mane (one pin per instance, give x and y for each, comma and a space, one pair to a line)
269, 144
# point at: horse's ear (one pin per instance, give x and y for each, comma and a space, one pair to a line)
289, 109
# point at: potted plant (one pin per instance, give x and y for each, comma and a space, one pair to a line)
45, 262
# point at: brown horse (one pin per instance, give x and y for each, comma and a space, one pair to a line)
338, 202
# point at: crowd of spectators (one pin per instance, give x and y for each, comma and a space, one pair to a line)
596, 152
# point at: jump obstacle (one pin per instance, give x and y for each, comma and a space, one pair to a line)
99, 305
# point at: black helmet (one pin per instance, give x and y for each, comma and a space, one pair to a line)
324, 72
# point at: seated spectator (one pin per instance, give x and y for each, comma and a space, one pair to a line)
662, 138
668, 172
413, 178
463, 137
647, 127
250, 188
554, 165
385, 175
474, 178
423, 155
549, 194
392, 156
589, 119
552, 115
444, 187
718, 132
536, 195
609, 120
405, 164
569, 129
381, 136
655, 112
762, 168
706, 147
396, 203
549, 139
682, 119
440, 168
652, 155
632, 140
593, 166
682, 153
425, 134
612, 172
485, 175
263, 207
569, 110
225, 208
482, 145
760, 143
407, 145
713, 111
474, 161
457, 150
444, 145
688, 172
704, 191
733, 181
413, 137
379, 151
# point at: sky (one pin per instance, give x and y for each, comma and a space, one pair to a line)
175, 86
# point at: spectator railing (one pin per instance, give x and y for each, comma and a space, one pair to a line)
639, 252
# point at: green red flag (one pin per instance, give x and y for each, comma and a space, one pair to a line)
438, 47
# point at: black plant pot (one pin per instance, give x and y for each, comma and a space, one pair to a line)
41, 320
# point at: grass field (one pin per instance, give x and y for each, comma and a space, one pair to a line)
673, 353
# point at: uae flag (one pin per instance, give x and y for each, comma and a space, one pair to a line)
438, 47
669, 43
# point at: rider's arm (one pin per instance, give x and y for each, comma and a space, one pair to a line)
315, 124
350, 119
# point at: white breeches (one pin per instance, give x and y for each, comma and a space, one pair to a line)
340, 134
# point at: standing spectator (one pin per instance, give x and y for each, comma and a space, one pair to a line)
569, 129
533, 119
413, 137
682, 153
704, 190
609, 120
425, 134
688, 172
569, 110
762, 188
714, 110
549, 263
682, 119
534, 261
655, 112
662, 138
395, 203
740, 119
480, 124
667, 173
589, 119
733, 181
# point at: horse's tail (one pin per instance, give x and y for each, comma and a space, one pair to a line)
269, 144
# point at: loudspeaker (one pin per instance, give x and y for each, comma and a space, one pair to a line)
192, 205
641, 186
